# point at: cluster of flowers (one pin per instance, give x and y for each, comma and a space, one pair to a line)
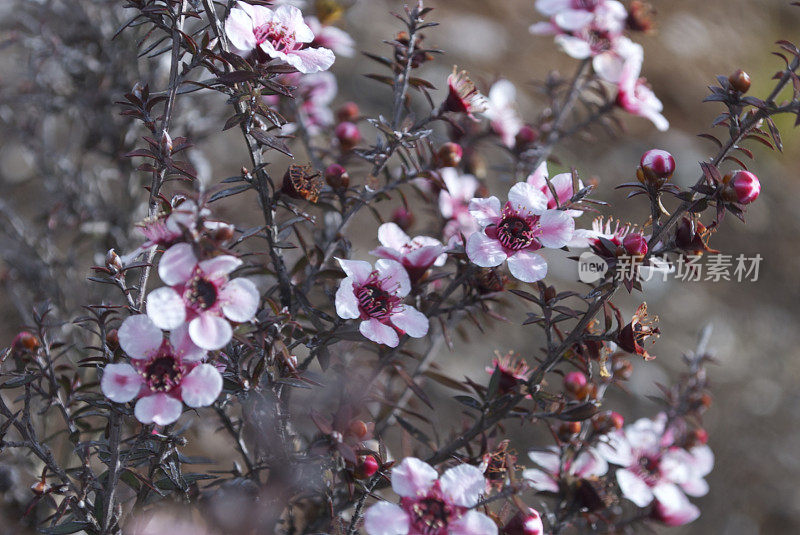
197, 307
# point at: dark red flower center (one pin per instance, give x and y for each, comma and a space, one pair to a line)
649, 468
202, 293
277, 34
515, 232
163, 373
599, 41
430, 516
375, 302
588, 5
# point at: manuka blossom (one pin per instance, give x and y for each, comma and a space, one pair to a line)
463, 96
587, 464
416, 254
513, 372
281, 34
562, 184
636, 97
162, 373
376, 297
512, 233
502, 112
454, 203
200, 294
652, 468
328, 36
430, 504
574, 15
166, 228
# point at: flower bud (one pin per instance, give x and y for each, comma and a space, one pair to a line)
655, 167
740, 81
137, 90
623, 369
607, 421
526, 136
574, 382
358, 428
336, 176
113, 262
25, 341
348, 135
112, 339
742, 187
528, 523
403, 218
348, 112
366, 467
568, 429
166, 144
449, 154
700, 436
635, 244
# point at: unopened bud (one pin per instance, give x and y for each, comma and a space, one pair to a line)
742, 187
568, 430
348, 112
574, 382
449, 154
607, 421
336, 176
526, 136
348, 135
635, 244
25, 341
655, 167
112, 339
166, 144
366, 467
137, 90
527, 523
740, 81
113, 262
403, 218
359, 429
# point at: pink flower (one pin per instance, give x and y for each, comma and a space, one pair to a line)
200, 293
573, 15
162, 372
331, 37
463, 96
513, 372
417, 255
502, 112
586, 464
512, 233
609, 52
454, 203
430, 504
376, 297
636, 97
280, 34
167, 228
654, 469
562, 184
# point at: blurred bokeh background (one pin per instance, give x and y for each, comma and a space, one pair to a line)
60, 131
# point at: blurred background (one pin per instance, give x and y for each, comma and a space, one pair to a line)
68, 196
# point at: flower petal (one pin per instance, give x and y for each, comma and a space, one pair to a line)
573, 19
485, 211
413, 477
463, 485
177, 264
379, 333
166, 308
393, 276
412, 321
219, 266
527, 266
574, 46
311, 60
484, 251
386, 518
527, 197
358, 270
557, 228
201, 387
210, 331
473, 523
551, 7
239, 29
540, 480
120, 383
182, 343
159, 409
240, 299
634, 488
139, 337
346, 301
548, 459
589, 464
391, 235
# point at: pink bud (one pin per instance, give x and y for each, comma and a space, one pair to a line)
574, 381
337, 177
635, 244
367, 466
529, 523
403, 218
658, 163
449, 154
526, 136
746, 186
348, 134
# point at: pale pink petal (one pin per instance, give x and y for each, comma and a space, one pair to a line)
675, 464
292, 18
310, 60
358, 270
463, 485
680, 511
503, 93
379, 333
659, 121
551, 7
219, 266
139, 337
485, 211
121, 383
461, 187
562, 184
523, 196
473, 523
702, 460
210, 331
412, 321
573, 19
258, 14
182, 343
608, 66
588, 464
239, 29
413, 477
616, 450
527, 266
393, 276
557, 228
239, 299
386, 518
387, 252
634, 488
484, 251
159, 409
695, 486
201, 387
426, 256
574, 46
391, 235
543, 28
166, 308
538, 179
540, 480
548, 459
346, 301
177, 264
668, 494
